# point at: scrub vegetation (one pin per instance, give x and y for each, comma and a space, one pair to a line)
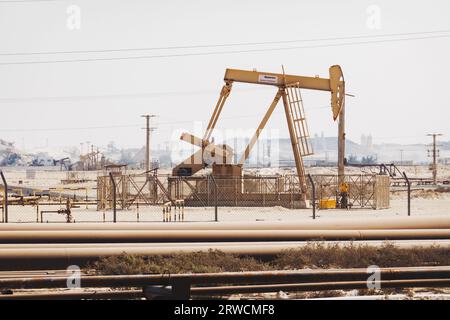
314, 255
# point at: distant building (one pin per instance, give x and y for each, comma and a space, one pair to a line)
403, 163
366, 141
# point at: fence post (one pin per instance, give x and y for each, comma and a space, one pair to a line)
409, 193
113, 182
216, 213
313, 195
216, 210
5, 202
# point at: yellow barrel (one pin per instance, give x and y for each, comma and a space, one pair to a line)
327, 203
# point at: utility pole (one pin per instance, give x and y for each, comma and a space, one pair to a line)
401, 157
434, 154
88, 160
147, 145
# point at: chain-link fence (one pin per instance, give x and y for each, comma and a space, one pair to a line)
152, 197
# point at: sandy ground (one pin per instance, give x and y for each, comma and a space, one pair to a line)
419, 206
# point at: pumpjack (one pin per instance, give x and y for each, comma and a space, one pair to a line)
288, 89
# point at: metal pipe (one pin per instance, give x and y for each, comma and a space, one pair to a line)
216, 213
339, 285
90, 236
227, 290
313, 196
267, 247
76, 295
254, 277
416, 222
5, 201
409, 193
113, 182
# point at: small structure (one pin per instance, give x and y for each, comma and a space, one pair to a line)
105, 187
131, 189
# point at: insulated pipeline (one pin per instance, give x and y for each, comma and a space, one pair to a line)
249, 277
233, 247
112, 236
419, 222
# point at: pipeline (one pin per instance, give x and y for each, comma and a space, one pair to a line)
243, 247
227, 290
112, 236
253, 277
418, 222
338, 285
76, 295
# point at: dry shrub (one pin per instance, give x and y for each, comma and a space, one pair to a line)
313, 255
425, 194
321, 255
197, 262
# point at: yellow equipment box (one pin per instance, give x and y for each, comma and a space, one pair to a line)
327, 204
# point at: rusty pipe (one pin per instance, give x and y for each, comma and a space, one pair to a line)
252, 277
76, 295
227, 290
319, 286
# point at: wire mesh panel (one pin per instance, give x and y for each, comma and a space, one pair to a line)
157, 198
361, 189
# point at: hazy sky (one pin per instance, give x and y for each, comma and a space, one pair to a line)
401, 86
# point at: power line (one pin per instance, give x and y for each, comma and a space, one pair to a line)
118, 96
29, 1
221, 52
222, 45
143, 95
160, 124
397, 137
